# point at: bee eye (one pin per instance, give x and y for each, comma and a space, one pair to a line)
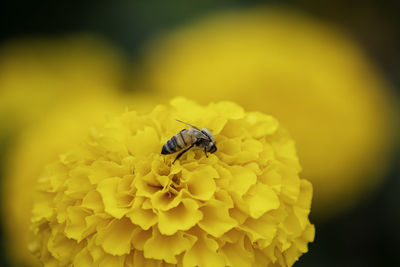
213, 149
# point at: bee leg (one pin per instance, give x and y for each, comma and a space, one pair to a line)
205, 151
183, 152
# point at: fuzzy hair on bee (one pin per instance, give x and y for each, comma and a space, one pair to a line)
189, 138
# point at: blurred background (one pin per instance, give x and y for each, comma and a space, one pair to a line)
329, 71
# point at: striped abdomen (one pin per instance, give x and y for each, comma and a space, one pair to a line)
177, 142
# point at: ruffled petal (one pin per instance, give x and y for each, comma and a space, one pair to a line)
93, 201
237, 255
76, 224
260, 198
116, 237
140, 237
242, 179
204, 253
261, 230
161, 247
140, 260
165, 200
144, 143
109, 260
182, 217
83, 259
113, 204
145, 218
216, 218
79, 184
101, 169
201, 183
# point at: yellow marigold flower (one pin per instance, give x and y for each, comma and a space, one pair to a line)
310, 76
34, 147
116, 201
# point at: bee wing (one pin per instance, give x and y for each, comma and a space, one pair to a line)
189, 125
198, 133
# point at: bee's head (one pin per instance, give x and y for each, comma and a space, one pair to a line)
213, 148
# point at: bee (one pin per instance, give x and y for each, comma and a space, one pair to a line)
188, 138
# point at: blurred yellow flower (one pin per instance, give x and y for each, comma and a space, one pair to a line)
116, 201
33, 149
55, 89
307, 74
37, 75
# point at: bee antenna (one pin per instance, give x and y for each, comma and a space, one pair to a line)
187, 124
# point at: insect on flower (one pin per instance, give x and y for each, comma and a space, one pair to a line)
188, 138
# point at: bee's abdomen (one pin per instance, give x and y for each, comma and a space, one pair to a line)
177, 142
171, 146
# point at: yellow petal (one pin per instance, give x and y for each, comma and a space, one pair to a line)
216, 218
110, 260
93, 201
61, 247
237, 255
83, 259
234, 128
116, 237
102, 169
290, 185
165, 200
261, 124
272, 178
292, 225
166, 248
142, 217
201, 183
160, 168
114, 205
140, 237
144, 143
260, 198
92, 222
229, 109
216, 124
225, 177
285, 150
242, 179
228, 151
96, 251
78, 183
43, 207
268, 153
305, 197
182, 217
146, 185
141, 261
250, 150
262, 229
204, 253
76, 224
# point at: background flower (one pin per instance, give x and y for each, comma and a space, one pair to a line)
35, 147
116, 201
38, 75
309, 75
52, 91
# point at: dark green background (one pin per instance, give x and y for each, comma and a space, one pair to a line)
369, 235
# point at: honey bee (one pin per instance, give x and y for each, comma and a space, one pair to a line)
188, 138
